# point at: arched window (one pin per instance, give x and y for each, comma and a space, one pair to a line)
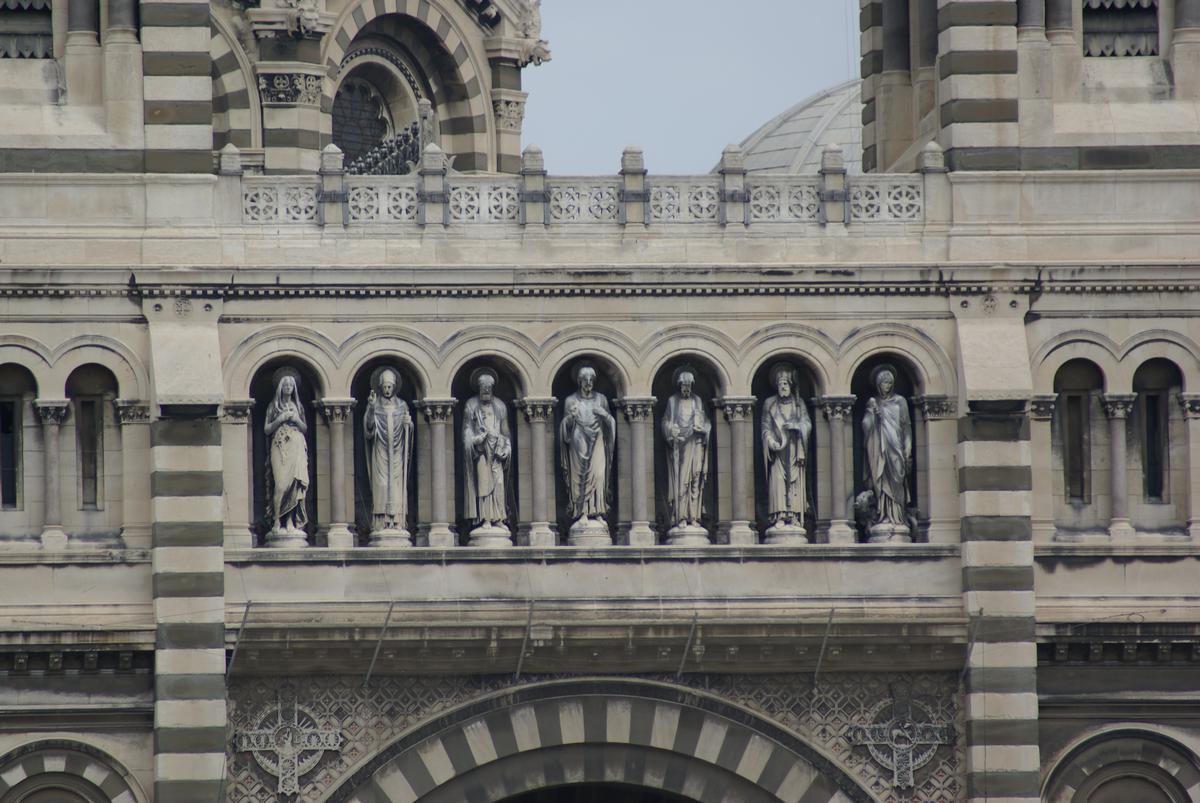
1123, 767
18, 392
1155, 382
91, 390
1078, 384
361, 117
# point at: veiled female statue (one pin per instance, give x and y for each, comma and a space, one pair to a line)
887, 441
487, 453
287, 463
388, 433
588, 435
686, 428
786, 428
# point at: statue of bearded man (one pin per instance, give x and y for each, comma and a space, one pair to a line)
388, 432
887, 440
588, 434
487, 451
686, 428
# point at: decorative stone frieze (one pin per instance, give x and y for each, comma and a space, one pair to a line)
933, 408
1041, 408
290, 88
537, 411
236, 411
52, 411
1190, 404
1119, 405
510, 113
736, 408
836, 408
131, 411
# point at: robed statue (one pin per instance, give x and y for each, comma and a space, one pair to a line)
388, 436
786, 428
287, 463
487, 455
686, 428
887, 463
588, 434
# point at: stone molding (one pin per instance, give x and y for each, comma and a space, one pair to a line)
131, 411
836, 408
934, 408
289, 88
52, 411
1190, 402
437, 411
537, 410
637, 408
1041, 407
736, 408
337, 411
236, 411
1118, 405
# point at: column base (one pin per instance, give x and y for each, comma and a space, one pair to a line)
54, 538
486, 536
784, 534
287, 540
540, 534
589, 533
640, 534
340, 537
840, 532
1193, 530
1121, 529
441, 536
739, 533
688, 535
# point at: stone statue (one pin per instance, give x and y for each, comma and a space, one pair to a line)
887, 441
287, 463
487, 454
388, 435
588, 434
686, 428
786, 428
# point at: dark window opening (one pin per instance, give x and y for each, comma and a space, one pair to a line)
1120, 27
88, 423
1074, 433
1154, 445
10, 453
360, 118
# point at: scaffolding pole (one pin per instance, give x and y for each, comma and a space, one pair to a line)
237, 642
387, 620
687, 647
524, 643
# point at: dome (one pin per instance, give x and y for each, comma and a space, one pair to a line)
793, 141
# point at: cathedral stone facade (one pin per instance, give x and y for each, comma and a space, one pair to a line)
348, 456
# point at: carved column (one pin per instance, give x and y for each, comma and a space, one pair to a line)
936, 423
337, 413
1190, 402
540, 414
1117, 407
1041, 445
837, 411
236, 459
439, 412
134, 419
53, 413
739, 414
639, 412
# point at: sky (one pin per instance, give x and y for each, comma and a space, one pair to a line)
680, 78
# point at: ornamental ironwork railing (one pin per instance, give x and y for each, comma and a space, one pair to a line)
397, 156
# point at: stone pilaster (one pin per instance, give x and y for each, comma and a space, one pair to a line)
995, 485
837, 411
1041, 445
894, 92
1118, 406
439, 413
739, 415
53, 413
540, 415
633, 187
133, 416
177, 86
338, 413
239, 474
534, 206
639, 412
1190, 402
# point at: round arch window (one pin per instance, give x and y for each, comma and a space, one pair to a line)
361, 117
54, 787
1127, 781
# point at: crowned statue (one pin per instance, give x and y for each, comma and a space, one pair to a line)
887, 463
287, 463
588, 434
487, 456
786, 428
687, 431
388, 436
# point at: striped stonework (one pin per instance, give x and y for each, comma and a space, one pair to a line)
189, 707
177, 85
597, 731
464, 115
77, 767
870, 25
235, 110
995, 483
978, 87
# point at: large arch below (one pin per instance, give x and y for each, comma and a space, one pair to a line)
638, 733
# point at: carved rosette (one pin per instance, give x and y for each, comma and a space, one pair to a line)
1119, 405
737, 408
934, 408
1041, 408
236, 411
131, 411
636, 409
289, 88
837, 408
337, 411
53, 411
1190, 402
438, 411
538, 411
510, 114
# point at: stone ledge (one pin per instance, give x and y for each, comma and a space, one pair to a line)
1154, 549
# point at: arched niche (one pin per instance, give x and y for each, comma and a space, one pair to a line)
1078, 433
262, 391
18, 389
509, 390
707, 388
1122, 766
907, 385
411, 391
90, 446
762, 389
608, 384
1158, 447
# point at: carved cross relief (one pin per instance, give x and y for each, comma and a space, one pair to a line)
288, 742
897, 741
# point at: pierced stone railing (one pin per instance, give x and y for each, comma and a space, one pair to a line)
290, 199
683, 199
887, 198
580, 199
784, 199
493, 200
383, 199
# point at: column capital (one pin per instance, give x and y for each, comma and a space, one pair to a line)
936, 407
1041, 407
131, 411
236, 411
537, 410
1118, 405
836, 408
1190, 402
336, 411
437, 411
736, 408
637, 408
52, 411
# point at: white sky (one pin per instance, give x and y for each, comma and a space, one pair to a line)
680, 78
